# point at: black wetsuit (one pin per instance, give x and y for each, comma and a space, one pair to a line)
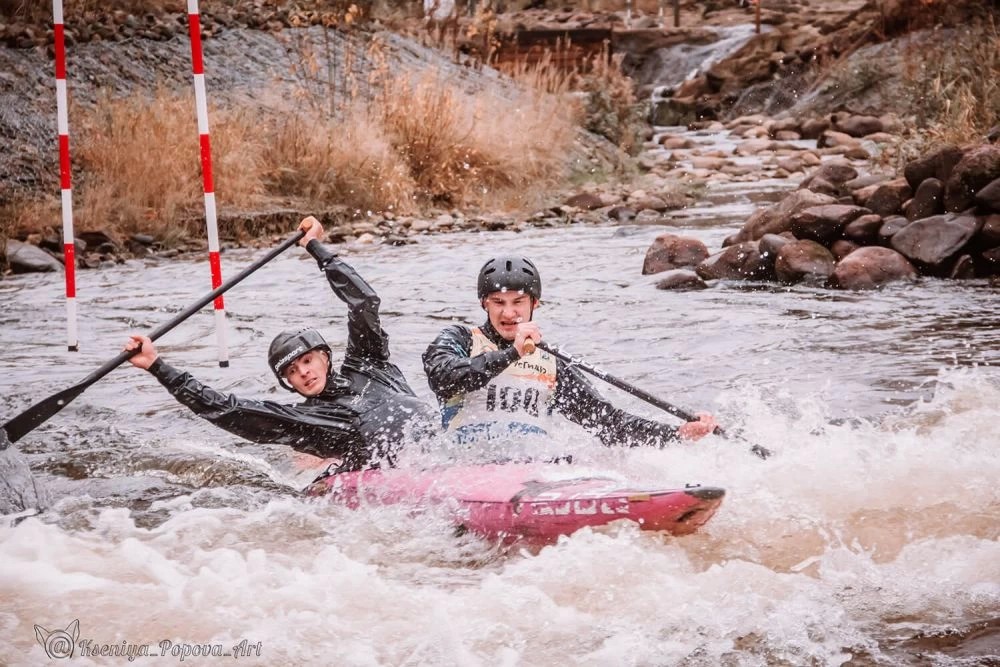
364, 412
451, 371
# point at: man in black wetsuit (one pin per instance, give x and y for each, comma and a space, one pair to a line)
491, 388
360, 414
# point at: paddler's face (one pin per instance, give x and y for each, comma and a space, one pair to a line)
308, 373
508, 309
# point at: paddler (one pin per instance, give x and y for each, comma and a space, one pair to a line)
360, 414
492, 383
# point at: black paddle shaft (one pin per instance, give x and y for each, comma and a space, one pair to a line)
639, 393
37, 414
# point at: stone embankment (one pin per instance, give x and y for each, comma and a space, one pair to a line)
844, 226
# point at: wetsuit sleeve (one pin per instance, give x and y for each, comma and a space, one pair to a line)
450, 370
365, 337
581, 403
256, 421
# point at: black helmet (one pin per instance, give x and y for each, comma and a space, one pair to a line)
289, 346
513, 274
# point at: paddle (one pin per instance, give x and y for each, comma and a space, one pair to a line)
39, 413
639, 393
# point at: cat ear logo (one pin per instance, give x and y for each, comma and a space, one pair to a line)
59, 643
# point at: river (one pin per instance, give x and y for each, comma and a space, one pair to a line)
870, 538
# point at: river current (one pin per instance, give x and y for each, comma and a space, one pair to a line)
871, 537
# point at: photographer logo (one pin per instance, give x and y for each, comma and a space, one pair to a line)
58, 643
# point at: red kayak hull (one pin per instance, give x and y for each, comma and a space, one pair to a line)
533, 503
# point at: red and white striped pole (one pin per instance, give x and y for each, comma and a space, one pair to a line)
201, 102
62, 122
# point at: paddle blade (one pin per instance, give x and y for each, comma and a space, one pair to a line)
40, 412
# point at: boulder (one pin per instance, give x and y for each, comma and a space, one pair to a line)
978, 168
858, 125
928, 200
813, 129
989, 233
834, 139
824, 223
669, 251
864, 230
842, 248
836, 171
778, 218
680, 279
933, 165
27, 258
890, 227
737, 262
934, 240
964, 268
872, 267
989, 196
803, 261
586, 201
770, 245
888, 198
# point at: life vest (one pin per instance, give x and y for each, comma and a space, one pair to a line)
517, 401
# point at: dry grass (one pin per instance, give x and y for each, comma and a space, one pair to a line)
425, 142
139, 162
953, 89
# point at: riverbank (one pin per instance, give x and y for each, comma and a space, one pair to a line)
316, 115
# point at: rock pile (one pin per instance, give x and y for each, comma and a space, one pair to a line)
842, 229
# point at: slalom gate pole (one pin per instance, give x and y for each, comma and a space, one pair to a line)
201, 104
65, 176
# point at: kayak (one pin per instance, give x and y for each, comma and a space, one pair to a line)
526, 503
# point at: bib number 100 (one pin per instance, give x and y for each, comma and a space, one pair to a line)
512, 399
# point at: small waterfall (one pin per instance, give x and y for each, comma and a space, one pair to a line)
667, 68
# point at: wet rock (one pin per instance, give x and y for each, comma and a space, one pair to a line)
928, 200
674, 142
892, 225
888, 198
27, 258
824, 223
652, 203
989, 234
992, 259
813, 129
938, 164
621, 213
834, 139
778, 218
669, 251
820, 186
97, 239
737, 262
836, 172
857, 153
872, 267
792, 163
864, 230
842, 248
864, 181
978, 168
712, 163
648, 217
803, 261
680, 279
752, 147
989, 196
964, 269
770, 245
858, 126
934, 240
144, 239
586, 201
